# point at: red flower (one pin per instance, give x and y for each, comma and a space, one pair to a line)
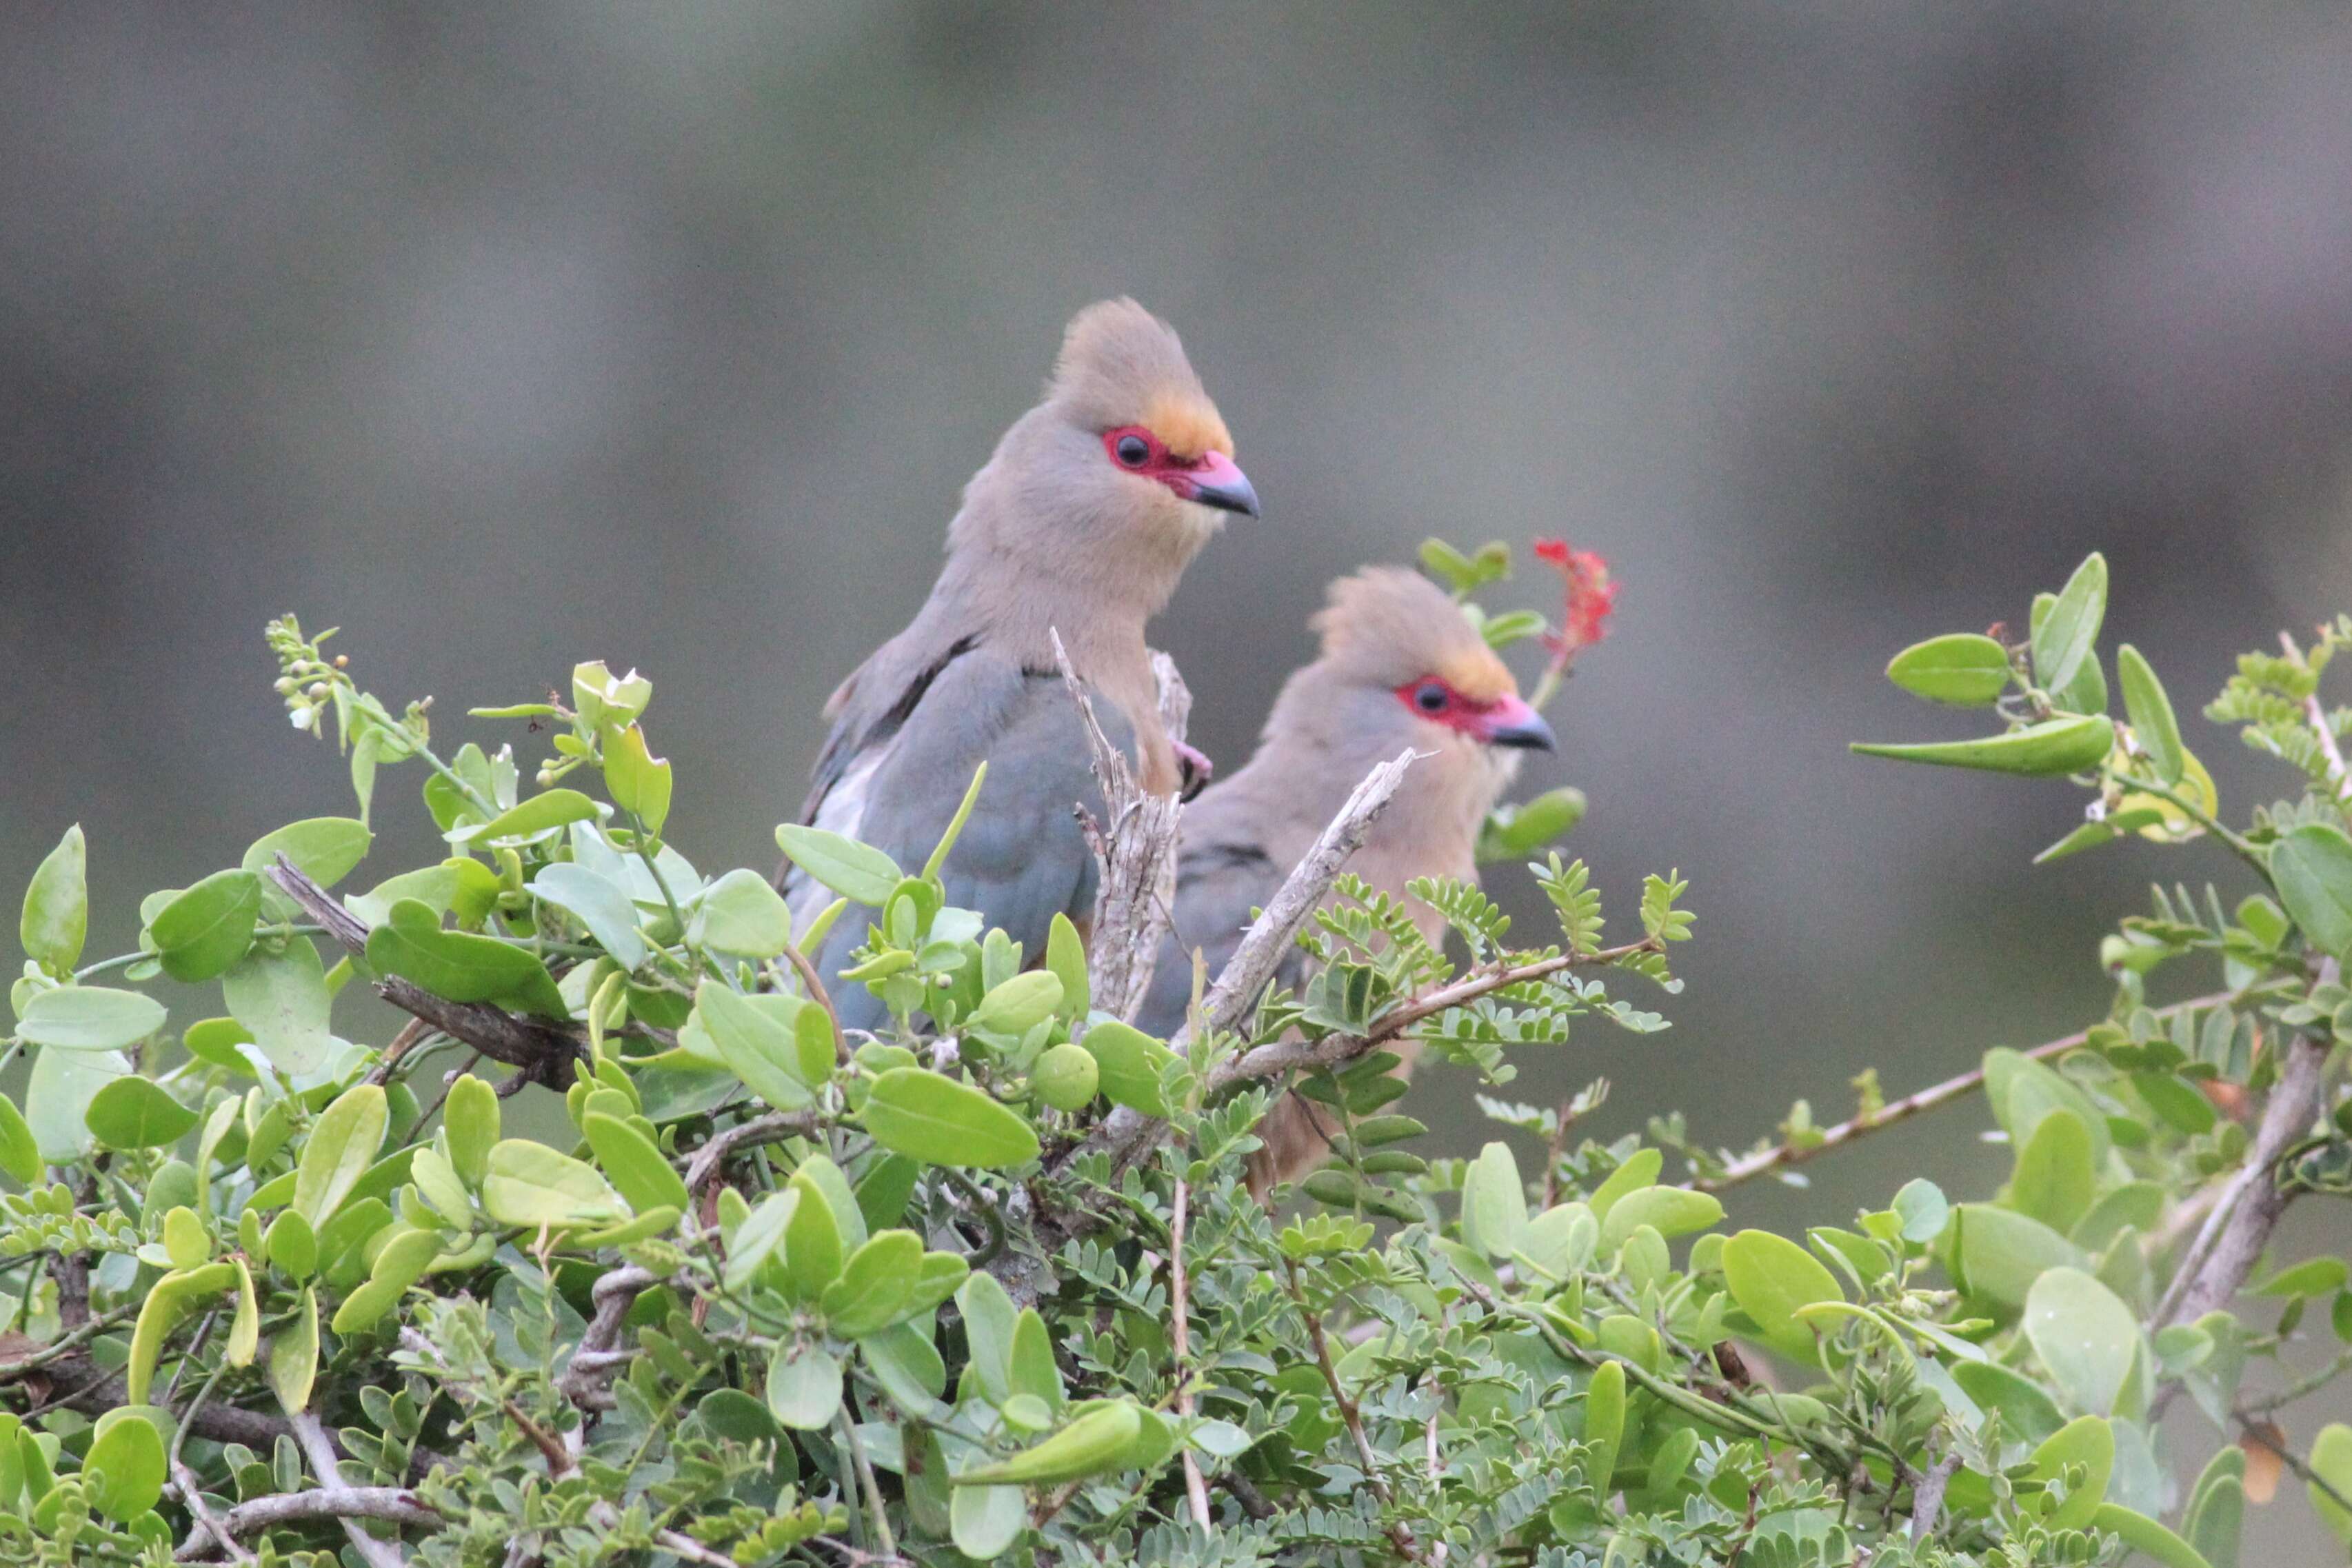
1591, 596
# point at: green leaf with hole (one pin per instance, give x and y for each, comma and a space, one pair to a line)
1089, 1445
874, 1287
459, 966
531, 1185
2065, 636
858, 872
742, 914
1771, 1277
2054, 746
122, 1474
2312, 867
803, 1386
137, 1113
343, 1144
638, 1169
88, 1018
56, 918
935, 1119
200, 934
1965, 669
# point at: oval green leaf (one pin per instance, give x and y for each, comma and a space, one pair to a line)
341, 1146
324, 848
2150, 710
936, 1119
459, 966
2084, 1335
1089, 1445
88, 1018
1130, 1063
743, 914
637, 1169
56, 918
859, 872
135, 1113
1965, 669
2064, 635
124, 1472
1770, 1276
2312, 867
529, 1184
803, 1386
874, 1287
208, 928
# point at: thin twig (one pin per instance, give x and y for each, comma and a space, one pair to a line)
865, 1482
1351, 1415
586, 1381
2252, 1432
312, 1438
1765, 1161
396, 1505
1196, 1489
2316, 714
59, 1349
773, 1128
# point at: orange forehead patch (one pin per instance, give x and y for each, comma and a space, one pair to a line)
1478, 674
1188, 427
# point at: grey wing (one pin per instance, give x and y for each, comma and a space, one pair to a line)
1219, 882
1021, 859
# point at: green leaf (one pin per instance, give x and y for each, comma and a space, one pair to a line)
989, 1324
803, 1386
2064, 637
1640, 1170
20, 1153
2312, 867
638, 1170
343, 1144
1030, 1370
742, 914
874, 1287
1998, 1254
2028, 1414
2147, 1537
1131, 1063
2087, 1441
2152, 723
88, 1018
135, 1113
531, 1185
1923, 1209
292, 1245
1066, 960
324, 848
166, 1303
1770, 1277
1604, 1422
2054, 746
2091, 834
208, 928
940, 1121
1018, 1005
2055, 1180
2084, 1335
56, 920
459, 966
122, 1475
985, 1521
1090, 1445
2217, 1508
1493, 1202
637, 781
858, 872
1965, 669
1669, 1211
551, 809
603, 906
937, 858
813, 1241
1515, 832
756, 1039
294, 1355
2331, 1461
2312, 1277
57, 1095
600, 697
283, 1002
245, 1327
471, 1116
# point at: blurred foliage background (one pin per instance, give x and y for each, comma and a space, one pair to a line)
511, 336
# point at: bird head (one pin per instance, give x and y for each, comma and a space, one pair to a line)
1393, 633
1151, 440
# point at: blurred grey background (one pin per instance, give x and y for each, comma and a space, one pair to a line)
509, 336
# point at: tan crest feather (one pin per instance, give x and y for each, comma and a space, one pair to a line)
1390, 625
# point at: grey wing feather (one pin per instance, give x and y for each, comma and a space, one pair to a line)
1021, 858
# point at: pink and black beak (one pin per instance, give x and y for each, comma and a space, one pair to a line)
1511, 722
1217, 480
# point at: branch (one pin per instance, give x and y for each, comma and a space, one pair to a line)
2315, 715
585, 1381
396, 1505
1351, 1415
1196, 1490
1765, 1161
321, 1451
773, 1128
1134, 846
539, 1048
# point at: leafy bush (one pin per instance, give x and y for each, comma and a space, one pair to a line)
992, 1284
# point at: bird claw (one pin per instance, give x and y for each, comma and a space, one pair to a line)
1193, 771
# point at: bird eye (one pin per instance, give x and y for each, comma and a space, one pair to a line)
1133, 450
1430, 698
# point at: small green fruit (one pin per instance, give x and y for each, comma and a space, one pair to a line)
1065, 1078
